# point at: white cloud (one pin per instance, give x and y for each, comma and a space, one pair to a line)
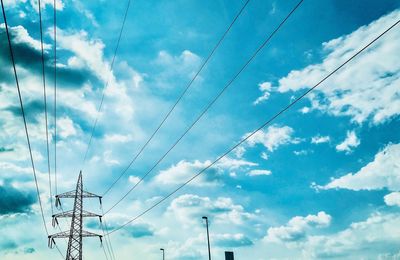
10, 167
134, 179
273, 137
231, 240
374, 237
367, 88
301, 152
189, 208
75, 62
108, 159
297, 227
184, 170
382, 172
265, 88
392, 199
132, 77
318, 139
259, 172
65, 127
88, 14
183, 65
365, 237
117, 138
89, 51
232, 164
59, 4
21, 35
239, 151
181, 172
13, 2
350, 142
305, 110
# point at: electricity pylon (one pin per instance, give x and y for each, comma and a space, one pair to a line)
76, 233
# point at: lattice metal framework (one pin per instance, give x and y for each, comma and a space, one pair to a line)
76, 232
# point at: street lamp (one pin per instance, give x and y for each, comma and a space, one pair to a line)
163, 253
208, 238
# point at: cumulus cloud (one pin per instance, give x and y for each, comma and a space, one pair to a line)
297, 227
232, 240
117, 138
382, 172
259, 172
273, 137
232, 164
133, 179
265, 88
140, 230
318, 139
392, 199
137, 229
376, 237
301, 152
377, 233
184, 170
192, 247
21, 35
187, 60
365, 89
189, 208
108, 158
66, 127
59, 4
349, 143
173, 67
86, 50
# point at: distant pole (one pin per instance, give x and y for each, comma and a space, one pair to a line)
208, 238
163, 253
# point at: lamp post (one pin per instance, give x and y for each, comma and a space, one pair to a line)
163, 253
208, 238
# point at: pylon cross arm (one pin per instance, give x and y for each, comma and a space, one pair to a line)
87, 194
69, 214
72, 195
66, 234
90, 234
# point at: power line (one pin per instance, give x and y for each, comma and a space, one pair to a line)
104, 235
104, 250
258, 129
45, 103
213, 101
24, 120
55, 102
181, 96
55, 93
107, 82
106, 243
107, 240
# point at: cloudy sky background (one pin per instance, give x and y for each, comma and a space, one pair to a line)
322, 181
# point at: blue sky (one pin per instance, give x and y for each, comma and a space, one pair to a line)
321, 181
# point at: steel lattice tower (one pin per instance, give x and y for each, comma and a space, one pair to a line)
76, 232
